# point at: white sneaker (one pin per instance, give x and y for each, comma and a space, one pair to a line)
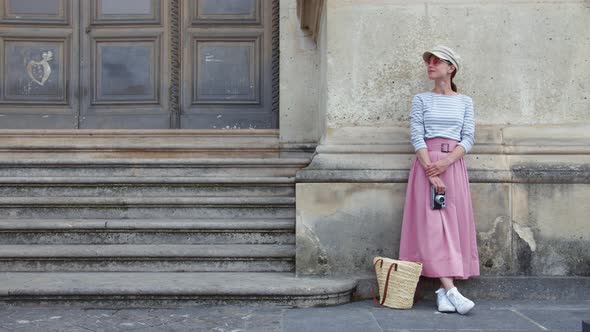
442, 301
461, 303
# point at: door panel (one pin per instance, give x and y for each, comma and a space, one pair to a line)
114, 63
43, 77
124, 68
226, 70
36, 11
227, 67
38, 68
227, 12
32, 7
118, 11
125, 71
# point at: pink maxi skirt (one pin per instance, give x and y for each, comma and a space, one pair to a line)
444, 240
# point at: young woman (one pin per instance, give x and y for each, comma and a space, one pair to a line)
442, 131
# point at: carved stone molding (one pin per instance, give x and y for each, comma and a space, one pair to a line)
310, 14
174, 62
276, 56
502, 154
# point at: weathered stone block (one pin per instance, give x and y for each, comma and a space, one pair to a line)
491, 204
552, 233
341, 226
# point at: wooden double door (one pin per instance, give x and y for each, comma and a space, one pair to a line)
138, 64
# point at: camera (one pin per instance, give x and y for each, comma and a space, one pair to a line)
437, 201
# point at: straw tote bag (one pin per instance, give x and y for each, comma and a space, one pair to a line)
397, 281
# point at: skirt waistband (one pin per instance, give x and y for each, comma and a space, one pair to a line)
445, 145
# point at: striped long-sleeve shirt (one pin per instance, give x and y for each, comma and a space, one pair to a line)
436, 115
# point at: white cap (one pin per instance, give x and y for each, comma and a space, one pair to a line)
444, 53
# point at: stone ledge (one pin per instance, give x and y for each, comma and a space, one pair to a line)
73, 225
124, 144
146, 251
180, 201
498, 287
502, 154
479, 148
532, 174
503, 139
162, 289
144, 180
155, 162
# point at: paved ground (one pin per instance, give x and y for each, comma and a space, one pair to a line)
359, 316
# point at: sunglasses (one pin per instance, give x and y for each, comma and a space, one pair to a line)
435, 61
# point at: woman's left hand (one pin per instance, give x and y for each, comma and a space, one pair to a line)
437, 167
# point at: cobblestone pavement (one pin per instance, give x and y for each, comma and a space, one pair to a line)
358, 316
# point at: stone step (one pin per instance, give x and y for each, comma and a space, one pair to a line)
138, 143
195, 167
146, 207
147, 231
146, 186
135, 289
152, 258
146, 201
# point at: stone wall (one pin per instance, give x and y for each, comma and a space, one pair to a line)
528, 194
524, 62
526, 66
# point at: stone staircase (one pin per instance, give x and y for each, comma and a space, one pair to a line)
136, 231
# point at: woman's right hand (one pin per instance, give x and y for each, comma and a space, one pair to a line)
438, 184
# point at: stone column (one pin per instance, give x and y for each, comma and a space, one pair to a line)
300, 76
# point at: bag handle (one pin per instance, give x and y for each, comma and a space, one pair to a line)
386, 281
380, 260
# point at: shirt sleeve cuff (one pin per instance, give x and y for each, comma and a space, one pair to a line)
465, 146
418, 146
